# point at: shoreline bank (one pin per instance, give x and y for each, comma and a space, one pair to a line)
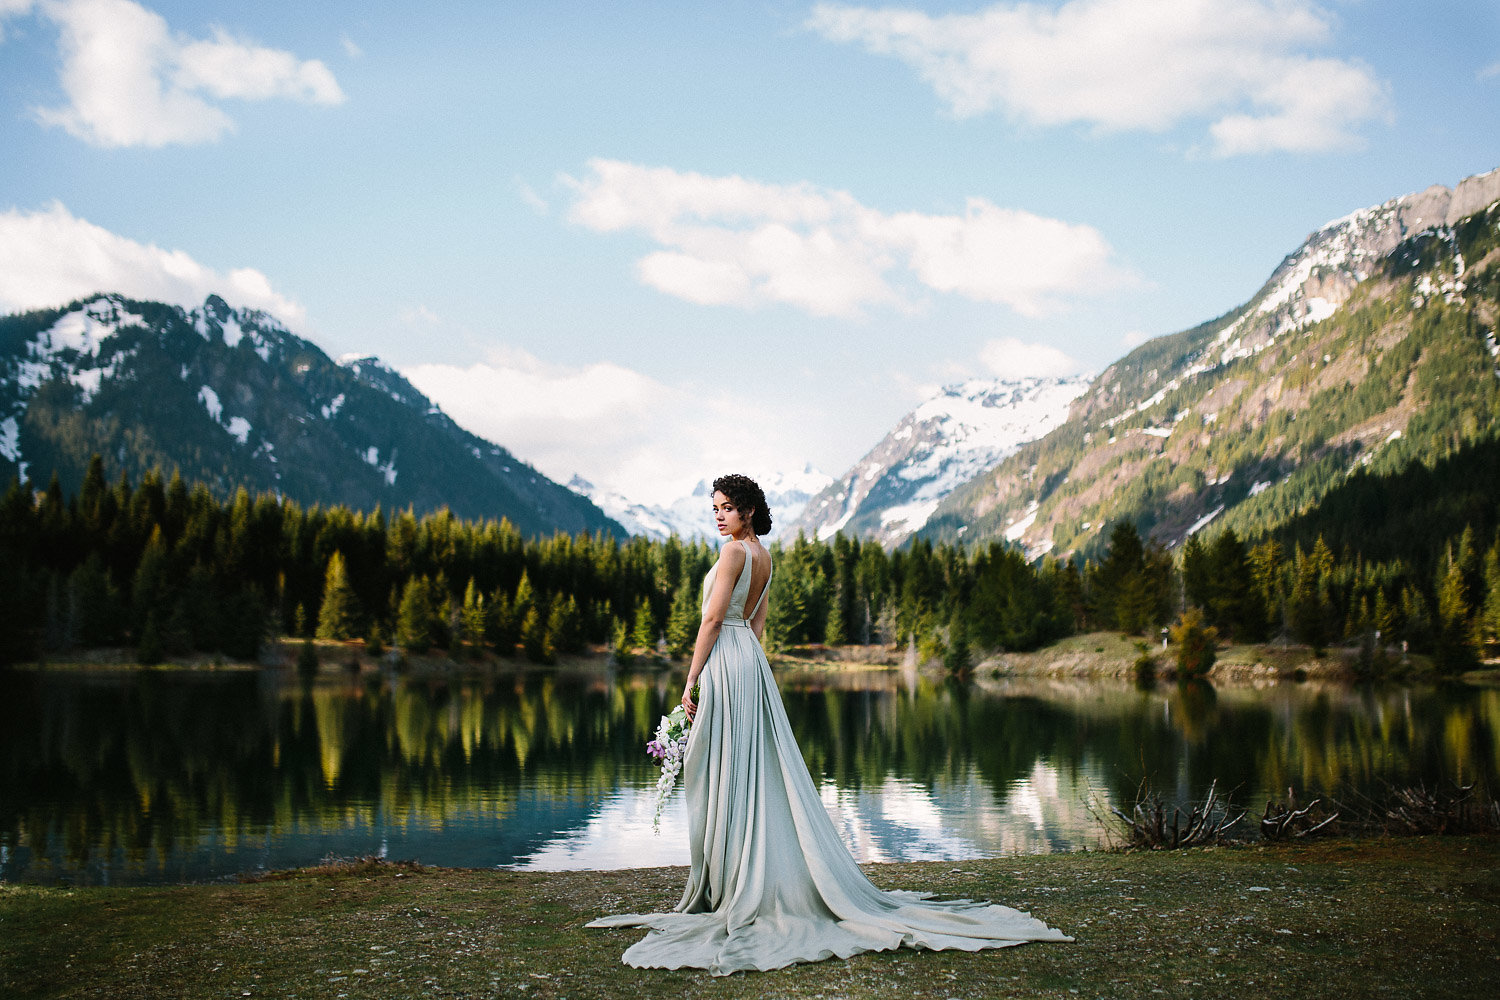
1101, 655
1419, 916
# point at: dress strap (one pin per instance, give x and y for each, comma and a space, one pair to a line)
763, 591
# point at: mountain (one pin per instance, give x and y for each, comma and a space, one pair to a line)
231, 398
1371, 346
942, 444
691, 516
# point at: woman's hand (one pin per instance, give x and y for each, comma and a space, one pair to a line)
689, 704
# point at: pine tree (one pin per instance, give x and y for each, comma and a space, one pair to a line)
99, 603
1383, 617
503, 629
1197, 575
1134, 603
556, 638
619, 642
1309, 612
339, 616
1454, 650
473, 617
413, 631
1119, 583
524, 598
956, 658
1235, 603
148, 651
682, 623
1265, 574
833, 631
1489, 617
1417, 621
643, 633
534, 636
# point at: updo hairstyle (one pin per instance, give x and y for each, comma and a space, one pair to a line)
743, 492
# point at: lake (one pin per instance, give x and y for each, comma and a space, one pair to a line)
172, 776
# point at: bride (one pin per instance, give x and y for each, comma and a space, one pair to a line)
771, 883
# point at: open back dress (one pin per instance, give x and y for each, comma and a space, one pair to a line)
771, 882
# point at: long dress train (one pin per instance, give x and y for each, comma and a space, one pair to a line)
771, 881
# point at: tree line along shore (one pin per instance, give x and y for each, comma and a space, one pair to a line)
166, 569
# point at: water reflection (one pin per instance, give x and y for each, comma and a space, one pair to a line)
179, 776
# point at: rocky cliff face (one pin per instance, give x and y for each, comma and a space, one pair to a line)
1372, 342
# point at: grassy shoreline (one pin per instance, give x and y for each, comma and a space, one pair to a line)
1389, 916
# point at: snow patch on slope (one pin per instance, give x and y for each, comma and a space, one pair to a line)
371, 456
10, 439
965, 429
691, 516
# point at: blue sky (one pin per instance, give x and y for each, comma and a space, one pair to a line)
650, 242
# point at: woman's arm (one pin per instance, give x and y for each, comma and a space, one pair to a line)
731, 562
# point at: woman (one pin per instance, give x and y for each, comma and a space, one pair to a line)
771, 882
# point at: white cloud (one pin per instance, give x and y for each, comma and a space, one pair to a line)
1011, 358
131, 81
1492, 70
1243, 65
616, 427
734, 241
351, 47
1135, 338
528, 195
50, 257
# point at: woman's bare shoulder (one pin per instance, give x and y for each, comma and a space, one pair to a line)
732, 556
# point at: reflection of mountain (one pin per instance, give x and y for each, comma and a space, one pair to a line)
963, 818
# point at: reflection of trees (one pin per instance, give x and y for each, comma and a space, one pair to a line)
143, 763
1180, 737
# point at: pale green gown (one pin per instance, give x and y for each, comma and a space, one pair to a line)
771, 882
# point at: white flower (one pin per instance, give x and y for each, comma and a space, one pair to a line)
671, 738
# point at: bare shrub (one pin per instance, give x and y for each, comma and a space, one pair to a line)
1285, 821
1151, 825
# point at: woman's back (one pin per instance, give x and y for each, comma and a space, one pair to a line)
754, 579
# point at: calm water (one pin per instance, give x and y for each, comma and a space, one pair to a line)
172, 776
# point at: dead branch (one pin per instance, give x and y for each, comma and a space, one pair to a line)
1148, 824
1284, 820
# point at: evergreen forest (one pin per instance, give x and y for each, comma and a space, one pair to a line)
167, 569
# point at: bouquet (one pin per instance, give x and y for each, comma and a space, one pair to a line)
668, 747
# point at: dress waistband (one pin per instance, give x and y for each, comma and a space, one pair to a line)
737, 622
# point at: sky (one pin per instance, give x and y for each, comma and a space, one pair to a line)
649, 243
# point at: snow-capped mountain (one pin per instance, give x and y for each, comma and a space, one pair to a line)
230, 397
1370, 346
948, 440
691, 516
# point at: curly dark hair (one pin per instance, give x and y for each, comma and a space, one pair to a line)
745, 494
